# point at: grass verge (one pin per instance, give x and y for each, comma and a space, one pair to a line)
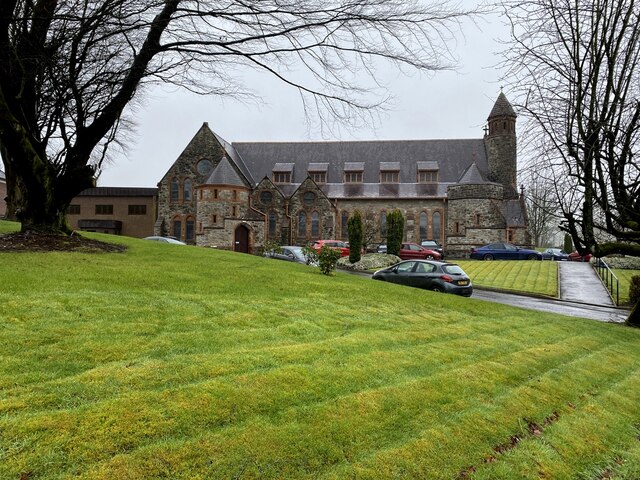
624, 277
519, 276
180, 362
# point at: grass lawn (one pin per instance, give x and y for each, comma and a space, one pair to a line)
187, 363
517, 275
624, 278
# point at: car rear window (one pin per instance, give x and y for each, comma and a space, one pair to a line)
453, 269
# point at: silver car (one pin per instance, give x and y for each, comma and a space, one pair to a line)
289, 253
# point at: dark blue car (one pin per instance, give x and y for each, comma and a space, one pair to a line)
504, 251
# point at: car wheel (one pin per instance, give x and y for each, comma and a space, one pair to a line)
437, 289
429, 257
532, 257
488, 256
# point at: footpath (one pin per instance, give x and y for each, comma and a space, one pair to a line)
580, 283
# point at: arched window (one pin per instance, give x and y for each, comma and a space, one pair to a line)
302, 224
437, 227
190, 229
176, 228
423, 226
309, 199
345, 225
272, 224
187, 190
383, 225
315, 225
175, 190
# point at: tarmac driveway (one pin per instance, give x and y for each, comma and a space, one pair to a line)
562, 307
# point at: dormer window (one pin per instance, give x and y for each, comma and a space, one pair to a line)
389, 172
353, 172
282, 172
428, 172
318, 172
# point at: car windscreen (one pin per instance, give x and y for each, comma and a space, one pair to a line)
453, 270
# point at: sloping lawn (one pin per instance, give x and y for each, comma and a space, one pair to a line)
518, 275
186, 363
624, 278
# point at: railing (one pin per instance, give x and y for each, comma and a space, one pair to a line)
608, 279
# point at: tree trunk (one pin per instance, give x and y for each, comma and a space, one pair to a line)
633, 319
38, 197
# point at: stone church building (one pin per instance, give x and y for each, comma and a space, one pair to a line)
236, 196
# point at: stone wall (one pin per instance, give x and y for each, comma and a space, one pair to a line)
502, 162
474, 218
410, 208
268, 200
203, 146
309, 200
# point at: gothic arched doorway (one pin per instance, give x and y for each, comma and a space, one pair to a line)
241, 240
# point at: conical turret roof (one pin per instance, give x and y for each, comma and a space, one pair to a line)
502, 108
472, 175
224, 174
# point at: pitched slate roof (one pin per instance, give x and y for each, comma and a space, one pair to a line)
452, 157
513, 213
225, 174
119, 192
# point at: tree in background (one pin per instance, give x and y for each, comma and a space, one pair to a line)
354, 225
69, 70
542, 209
574, 67
395, 231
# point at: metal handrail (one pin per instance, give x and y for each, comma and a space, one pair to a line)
609, 279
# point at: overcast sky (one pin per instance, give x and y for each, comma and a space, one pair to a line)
446, 105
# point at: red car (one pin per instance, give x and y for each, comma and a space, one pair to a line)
335, 244
576, 257
413, 250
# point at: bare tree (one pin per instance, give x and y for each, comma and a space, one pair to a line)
542, 208
575, 66
68, 70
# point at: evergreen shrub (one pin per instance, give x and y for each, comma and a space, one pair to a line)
354, 225
395, 231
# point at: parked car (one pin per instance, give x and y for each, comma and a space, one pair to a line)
504, 251
288, 253
382, 248
555, 254
433, 245
428, 274
576, 257
335, 244
413, 250
164, 240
